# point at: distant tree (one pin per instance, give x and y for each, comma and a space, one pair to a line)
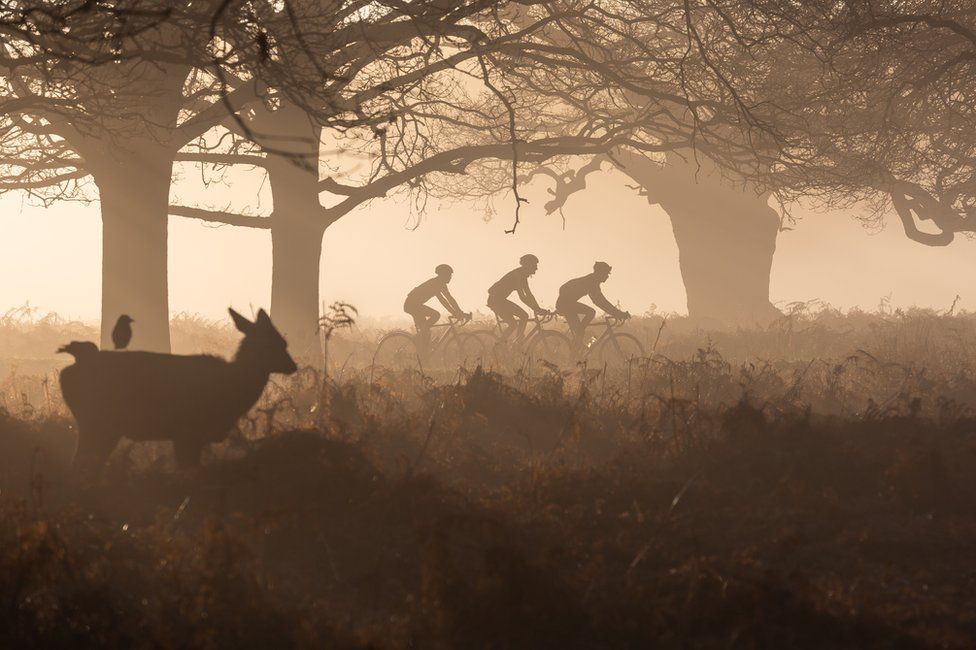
440, 113
863, 105
649, 69
713, 108
725, 228
111, 91
877, 106
146, 78
299, 220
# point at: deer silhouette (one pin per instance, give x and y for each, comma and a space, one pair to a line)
192, 400
79, 349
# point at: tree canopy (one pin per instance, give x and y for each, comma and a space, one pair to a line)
867, 102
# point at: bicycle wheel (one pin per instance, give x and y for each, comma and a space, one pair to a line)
550, 346
396, 350
487, 338
479, 347
447, 354
460, 351
620, 349
474, 350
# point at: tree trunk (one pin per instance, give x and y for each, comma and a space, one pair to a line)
726, 236
725, 250
135, 200
298, 223
296, 254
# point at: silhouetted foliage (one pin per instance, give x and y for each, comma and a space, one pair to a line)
802, 503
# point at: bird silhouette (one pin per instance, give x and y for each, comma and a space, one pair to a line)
80, 350
122, 332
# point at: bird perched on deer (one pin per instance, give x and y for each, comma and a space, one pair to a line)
192, 400
122, 332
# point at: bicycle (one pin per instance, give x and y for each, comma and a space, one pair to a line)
613, 348
400, 349
610, 348
537, 343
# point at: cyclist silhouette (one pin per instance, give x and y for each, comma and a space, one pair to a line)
515, 281
578, 315
423, 316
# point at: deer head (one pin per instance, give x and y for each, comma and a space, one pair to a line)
263, 346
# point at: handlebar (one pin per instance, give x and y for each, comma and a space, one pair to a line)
615, 320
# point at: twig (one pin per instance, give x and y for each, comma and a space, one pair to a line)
659, 330
514, 140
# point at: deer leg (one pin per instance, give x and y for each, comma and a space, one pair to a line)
93, 449
187, 451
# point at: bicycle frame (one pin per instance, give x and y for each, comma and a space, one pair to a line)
452, 326
609, 324
537, 327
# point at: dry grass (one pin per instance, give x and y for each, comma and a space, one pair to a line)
818, 496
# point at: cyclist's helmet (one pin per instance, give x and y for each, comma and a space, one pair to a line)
601, 267
443, 269
528, 260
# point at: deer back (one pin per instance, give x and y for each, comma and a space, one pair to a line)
150, 396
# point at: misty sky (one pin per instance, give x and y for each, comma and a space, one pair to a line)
50, 257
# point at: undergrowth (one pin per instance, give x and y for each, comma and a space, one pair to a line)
690, 500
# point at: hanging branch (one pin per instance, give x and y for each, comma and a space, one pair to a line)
513, 139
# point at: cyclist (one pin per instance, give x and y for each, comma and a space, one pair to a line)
424, 317
515, 281
578, 315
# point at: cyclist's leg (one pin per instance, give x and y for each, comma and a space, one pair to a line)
578, 316
514, 316
424, 318
496, 306
568, 311
587, 314
522, 319
507, 313
430, 316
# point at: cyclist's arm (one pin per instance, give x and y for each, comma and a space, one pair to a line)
525, 295
601, 301
450, 304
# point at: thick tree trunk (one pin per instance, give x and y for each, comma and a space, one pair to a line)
135, 199
296, 254
298, 223
725, 250
128, 148
726, 236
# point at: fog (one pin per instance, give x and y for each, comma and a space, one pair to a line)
50, 257
350, 324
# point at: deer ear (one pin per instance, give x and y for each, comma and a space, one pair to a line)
242, 324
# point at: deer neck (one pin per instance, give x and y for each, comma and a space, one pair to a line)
251, 376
